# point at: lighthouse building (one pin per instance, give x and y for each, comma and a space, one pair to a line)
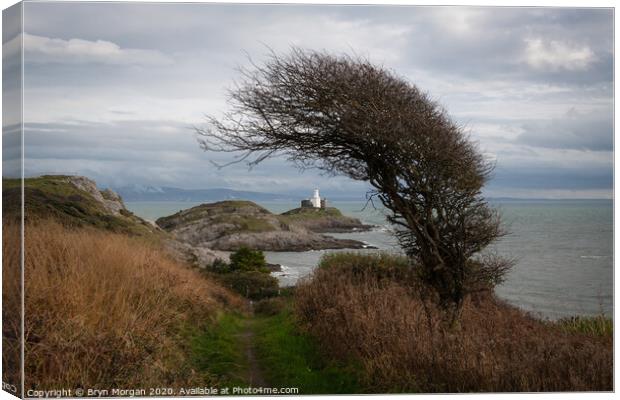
314, 202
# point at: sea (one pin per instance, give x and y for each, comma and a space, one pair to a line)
563, 250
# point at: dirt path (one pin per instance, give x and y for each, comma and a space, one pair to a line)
255, 373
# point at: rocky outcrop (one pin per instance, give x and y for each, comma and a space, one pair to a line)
228, 225
194, 255
108, 199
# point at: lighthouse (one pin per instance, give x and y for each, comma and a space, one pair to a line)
316, 199
314, 202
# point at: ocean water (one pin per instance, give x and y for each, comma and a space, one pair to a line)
563, 250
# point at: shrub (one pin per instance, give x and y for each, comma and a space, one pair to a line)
381, 265
360, 313
246, 259
219, 266
254, 285
270, 306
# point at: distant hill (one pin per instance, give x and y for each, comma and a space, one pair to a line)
156, 193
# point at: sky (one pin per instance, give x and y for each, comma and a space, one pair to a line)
113, 90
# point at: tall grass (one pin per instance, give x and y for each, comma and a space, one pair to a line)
109, 311
11, 306
363, 308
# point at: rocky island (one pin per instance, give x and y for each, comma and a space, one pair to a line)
228, 225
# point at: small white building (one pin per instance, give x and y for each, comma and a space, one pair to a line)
314, 202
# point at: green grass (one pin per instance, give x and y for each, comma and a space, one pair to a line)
224, 212
292, 359
287, 357
254, 224
219, 352
310, 213
593, 326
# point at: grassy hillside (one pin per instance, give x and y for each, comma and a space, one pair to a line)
55, 197
237, 215
106, 306
311, 213
106, 310
322, 220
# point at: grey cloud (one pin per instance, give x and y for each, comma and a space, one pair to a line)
474, 60
127, 152
43, 49
591, 131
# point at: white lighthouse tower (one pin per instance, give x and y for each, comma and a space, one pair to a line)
316, 199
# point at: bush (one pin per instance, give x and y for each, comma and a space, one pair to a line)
269, 307
359, 311
246, 259
219, 266
254, 285
381, 265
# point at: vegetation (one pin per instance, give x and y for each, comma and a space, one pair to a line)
218, 350
246, 259
270, 306
311, 213
292, 358
363, 309
286, 356
11, 305
241, 214
246, 274
55, 197
254, 285
106, 310
347, 116
593, 326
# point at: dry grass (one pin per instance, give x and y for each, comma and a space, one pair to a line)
359, 310
11, 305
108, 311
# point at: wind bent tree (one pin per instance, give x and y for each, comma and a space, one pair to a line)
347, 116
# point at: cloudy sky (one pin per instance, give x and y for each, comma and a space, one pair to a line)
112, 90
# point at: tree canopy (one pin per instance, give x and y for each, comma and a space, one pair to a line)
346, 116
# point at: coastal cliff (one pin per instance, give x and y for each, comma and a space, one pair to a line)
76, 202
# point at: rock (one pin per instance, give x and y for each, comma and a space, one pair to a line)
112, 201
201, 257
274, 267
108, 199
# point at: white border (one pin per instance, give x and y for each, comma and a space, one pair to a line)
502, 3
